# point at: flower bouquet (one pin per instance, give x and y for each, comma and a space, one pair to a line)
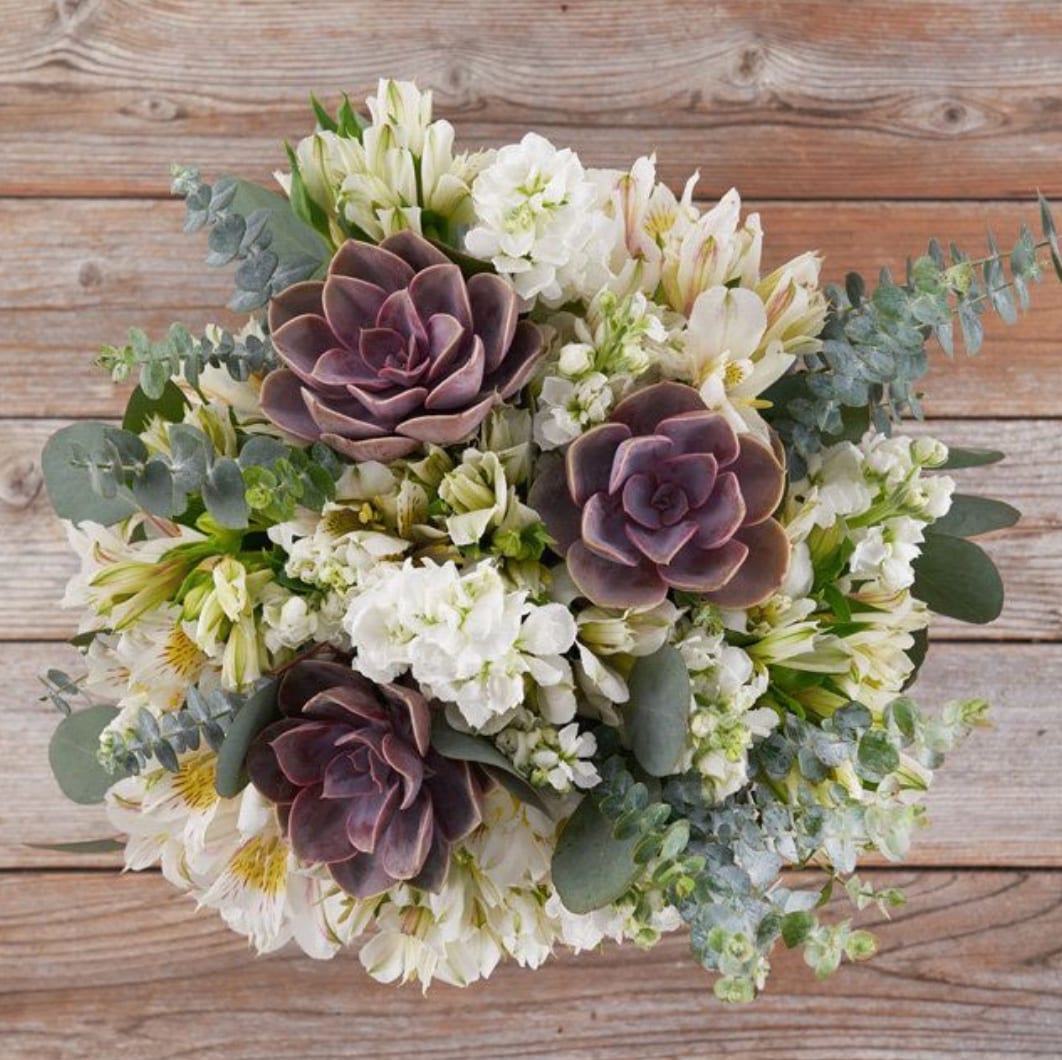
531, 569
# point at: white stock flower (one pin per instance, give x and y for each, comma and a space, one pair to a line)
465, 637
538, 221
885, 552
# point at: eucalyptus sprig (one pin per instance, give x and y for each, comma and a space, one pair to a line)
874, 344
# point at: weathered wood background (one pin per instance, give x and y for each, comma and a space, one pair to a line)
860, 129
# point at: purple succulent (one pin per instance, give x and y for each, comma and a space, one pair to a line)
666, 496
357, 783
395, 349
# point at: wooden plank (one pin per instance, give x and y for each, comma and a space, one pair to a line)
998, 801
796, 100
83, 272
93, 966
39, 561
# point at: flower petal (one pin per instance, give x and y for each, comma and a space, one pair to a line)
644, 409
372, 264
351, 305
604, 530
368, 816
520, 361
301, 342
494, 315
415, 710
441, 289
661, 545
456, 797
303, 752
702, 432
362, 876
448, 428
348, 418
263, 767
549, 497
404, 846
296, 301
393, 406
610, 585
281, 400
693, 473
699, 570
415, 250
764, 570
461, 386
381, 450
637, 456
762, 479
589, 460
718, 519
317, 827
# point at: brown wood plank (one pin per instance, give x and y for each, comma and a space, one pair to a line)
94, 966
39, 562
788, 100
998, 801
81, 273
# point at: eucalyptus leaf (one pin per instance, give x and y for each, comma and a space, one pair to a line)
591, 868
140, 408
223, 494
73, 754
464, 747
955, 577
84, 846
69, 482
656, 715
252, 717
970, 515
962, 458
291, 237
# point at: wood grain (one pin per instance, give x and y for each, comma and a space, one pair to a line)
998, 801
969, 968
83, 272
787, 100
1029, 556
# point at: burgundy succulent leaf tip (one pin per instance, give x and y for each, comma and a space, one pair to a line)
357, 783
667, 495
395, 349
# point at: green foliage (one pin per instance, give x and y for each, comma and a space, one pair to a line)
103, 474
84, 846
874, 344
971, 515
253, 714
656, 716
73, 754
959, 459
252, 226
617, 835
464, 747
204, 718
955, 577
141, 409
179, 353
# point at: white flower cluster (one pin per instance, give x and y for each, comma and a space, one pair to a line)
724, 719
466, 638
498, 902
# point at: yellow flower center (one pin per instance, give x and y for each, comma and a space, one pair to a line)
194, 782
181, 654
262, 863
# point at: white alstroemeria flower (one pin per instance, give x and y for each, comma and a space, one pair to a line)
537, 216
724, 358
795, 306
713, 251
405, 109
160, 657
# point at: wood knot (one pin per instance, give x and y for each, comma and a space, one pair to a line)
154, 108
20, 481
89, 274
751, 61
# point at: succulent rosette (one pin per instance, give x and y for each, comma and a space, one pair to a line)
395, 348
666, 496
359, 787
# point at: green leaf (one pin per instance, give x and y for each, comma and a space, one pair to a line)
259, 710
971, 515
85, 846
591, 868
464, 747
324, 119
70, 486
917, 654
955, 577
470, 266
141, 408
73, 754
876, 756
223, 494
796, 927
657, 713
291, 238
963, 458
